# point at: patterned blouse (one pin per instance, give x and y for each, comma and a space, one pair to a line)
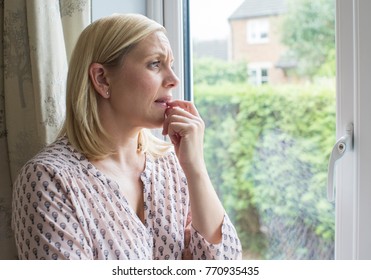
65, 208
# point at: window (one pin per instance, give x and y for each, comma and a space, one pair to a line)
258, 31
264, 146
102, 8
258, 73
264, 76
258, 76
253, 76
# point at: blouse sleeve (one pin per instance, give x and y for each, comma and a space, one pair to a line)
228, 249
45, 222
198, 247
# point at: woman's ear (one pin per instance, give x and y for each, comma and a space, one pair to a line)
98, 76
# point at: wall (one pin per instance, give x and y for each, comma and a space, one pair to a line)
255, 53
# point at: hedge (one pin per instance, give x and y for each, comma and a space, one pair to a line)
267, 151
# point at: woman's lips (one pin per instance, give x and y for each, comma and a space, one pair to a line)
163, 101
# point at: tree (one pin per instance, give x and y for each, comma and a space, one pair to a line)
309, 32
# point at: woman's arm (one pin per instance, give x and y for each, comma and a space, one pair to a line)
185, 128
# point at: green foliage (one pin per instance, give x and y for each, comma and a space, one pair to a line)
213, 71
309, 31
267, 151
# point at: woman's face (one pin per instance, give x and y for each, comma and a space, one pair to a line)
141, 87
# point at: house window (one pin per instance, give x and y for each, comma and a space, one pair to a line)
258, 74
258, 31
264, 75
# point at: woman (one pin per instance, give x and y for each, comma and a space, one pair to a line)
106, 188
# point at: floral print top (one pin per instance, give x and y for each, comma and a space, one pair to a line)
65, 208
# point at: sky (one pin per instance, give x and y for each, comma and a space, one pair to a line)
209, 18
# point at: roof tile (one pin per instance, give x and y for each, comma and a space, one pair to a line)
259, 8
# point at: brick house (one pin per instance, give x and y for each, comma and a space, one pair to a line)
255, 38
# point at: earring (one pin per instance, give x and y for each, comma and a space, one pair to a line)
107, 93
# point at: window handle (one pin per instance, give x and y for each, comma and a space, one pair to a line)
343, 145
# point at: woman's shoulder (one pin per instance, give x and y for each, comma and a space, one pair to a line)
166, 162
59, 155
164, 168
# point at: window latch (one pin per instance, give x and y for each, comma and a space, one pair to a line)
343, 145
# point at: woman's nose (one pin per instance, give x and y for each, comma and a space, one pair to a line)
171, 80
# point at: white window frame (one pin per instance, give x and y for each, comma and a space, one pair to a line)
255, 29
169, 13
258, 68
353, 198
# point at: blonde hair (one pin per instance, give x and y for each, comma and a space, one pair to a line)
105, 41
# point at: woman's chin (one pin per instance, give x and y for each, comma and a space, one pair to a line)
156, 123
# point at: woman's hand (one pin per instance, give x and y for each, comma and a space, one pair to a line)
185, 128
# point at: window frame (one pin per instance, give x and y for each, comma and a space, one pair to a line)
257, 27
362, 115
259, 78
173, 15
344, 176
353, 227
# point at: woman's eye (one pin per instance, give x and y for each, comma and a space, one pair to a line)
155, 64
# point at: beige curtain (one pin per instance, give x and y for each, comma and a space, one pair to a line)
38, 36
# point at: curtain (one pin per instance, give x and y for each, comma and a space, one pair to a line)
38, 36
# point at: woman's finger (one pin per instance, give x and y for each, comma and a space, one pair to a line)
185, 105
177, 130
179, 111
175, 118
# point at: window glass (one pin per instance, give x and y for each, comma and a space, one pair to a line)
257, 31
253, 76
269, 111
102, 8
264, 76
